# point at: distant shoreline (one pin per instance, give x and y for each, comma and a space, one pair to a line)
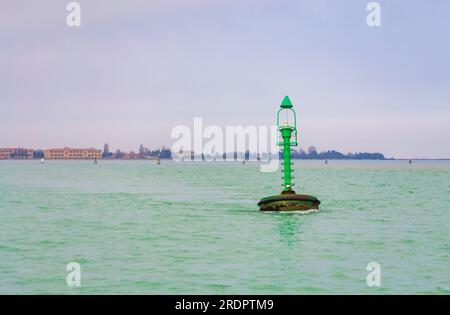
218, 160
163, 153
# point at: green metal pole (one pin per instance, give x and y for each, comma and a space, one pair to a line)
286, 134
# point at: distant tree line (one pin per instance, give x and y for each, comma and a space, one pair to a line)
163, 153
312, 154
143, 153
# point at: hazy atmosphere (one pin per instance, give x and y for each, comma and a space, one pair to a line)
136, 69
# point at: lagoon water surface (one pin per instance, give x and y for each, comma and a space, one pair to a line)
194, 228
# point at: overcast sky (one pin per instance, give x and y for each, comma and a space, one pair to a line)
135, 69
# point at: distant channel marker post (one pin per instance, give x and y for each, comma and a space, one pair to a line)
288, 200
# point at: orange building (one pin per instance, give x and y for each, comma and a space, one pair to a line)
16, 153
72, 154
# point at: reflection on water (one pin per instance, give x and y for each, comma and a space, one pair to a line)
289, 226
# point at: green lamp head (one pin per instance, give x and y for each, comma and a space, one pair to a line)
286, 103
287, 120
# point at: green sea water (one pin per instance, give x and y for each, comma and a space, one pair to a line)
194, 228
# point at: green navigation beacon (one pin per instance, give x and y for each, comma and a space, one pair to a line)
288, 200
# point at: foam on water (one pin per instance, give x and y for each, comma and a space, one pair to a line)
293, 211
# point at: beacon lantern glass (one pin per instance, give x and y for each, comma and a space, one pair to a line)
287, 120
286, 117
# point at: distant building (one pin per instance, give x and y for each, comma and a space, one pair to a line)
16, 153
105, 154
70, 153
